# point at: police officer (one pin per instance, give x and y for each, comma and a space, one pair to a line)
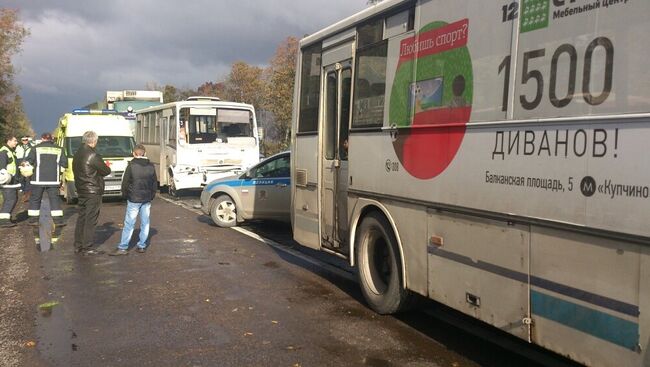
9, 188
22, 152
47, 160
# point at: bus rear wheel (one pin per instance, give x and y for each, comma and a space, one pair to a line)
379, 267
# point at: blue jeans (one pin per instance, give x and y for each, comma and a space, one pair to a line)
132, 210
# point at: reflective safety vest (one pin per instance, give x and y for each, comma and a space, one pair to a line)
22, 151
11, 160
47, 159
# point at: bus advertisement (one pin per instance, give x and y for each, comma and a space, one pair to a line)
487, 156
195, 141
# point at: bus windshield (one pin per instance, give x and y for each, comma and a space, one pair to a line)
209, 125
107, 146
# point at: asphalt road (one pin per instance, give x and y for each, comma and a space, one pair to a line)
206, 296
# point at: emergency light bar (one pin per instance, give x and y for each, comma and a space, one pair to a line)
85, 111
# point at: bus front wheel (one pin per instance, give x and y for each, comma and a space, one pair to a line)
379, 266
171, 187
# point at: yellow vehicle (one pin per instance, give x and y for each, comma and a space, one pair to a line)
115, 144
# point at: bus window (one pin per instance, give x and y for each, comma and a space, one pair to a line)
205, 126
172, 131
370, 86
233, 123
346, 82
331, 112
310, 89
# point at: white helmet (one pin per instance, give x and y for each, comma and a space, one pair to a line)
5, 177
27, 170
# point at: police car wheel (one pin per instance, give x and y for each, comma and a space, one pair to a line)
224, 211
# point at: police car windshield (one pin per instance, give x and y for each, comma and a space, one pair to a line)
107, 146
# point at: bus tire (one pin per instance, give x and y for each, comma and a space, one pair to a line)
171, 187
224, 211
379, 267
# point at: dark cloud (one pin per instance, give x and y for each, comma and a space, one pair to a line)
79, 49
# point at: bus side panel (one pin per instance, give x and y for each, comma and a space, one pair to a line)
644, 306
305, 201
480, 267
585, 297
153, 150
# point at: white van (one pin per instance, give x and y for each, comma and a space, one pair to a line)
115, 144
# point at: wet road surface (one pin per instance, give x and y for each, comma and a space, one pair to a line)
206, 296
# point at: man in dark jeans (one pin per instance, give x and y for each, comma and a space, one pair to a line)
89, 170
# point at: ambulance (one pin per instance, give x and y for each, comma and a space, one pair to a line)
115, 144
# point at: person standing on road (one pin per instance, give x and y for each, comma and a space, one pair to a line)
47, 160
22, 152
139, 185
10, 184
89, 170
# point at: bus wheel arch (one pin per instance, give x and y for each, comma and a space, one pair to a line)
379, 261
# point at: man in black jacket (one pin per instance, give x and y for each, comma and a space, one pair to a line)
139, 185
89, 170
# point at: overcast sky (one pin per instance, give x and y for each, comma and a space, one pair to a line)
79, 49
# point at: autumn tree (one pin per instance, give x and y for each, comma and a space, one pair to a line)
279, 92
245, 84
12, 115
211, 89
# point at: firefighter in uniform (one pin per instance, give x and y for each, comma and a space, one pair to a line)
11, 185
22, 152
47, 160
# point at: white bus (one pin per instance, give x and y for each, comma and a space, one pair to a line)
195, 141
490, 156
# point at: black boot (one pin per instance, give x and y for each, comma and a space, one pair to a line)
32, 221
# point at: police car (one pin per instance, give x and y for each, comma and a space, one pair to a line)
262, 192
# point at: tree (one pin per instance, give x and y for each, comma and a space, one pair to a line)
12, 116
210, 89
279, 92
245, 84
170, 93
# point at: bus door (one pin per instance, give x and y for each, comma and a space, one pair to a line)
334, 187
